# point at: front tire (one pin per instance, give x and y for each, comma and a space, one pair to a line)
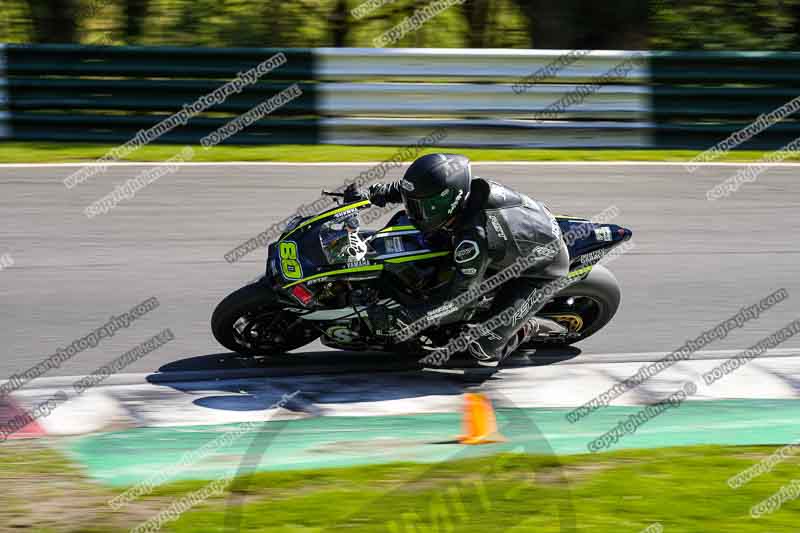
251, 322
597, 296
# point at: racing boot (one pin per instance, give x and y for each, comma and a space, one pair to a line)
482, 357
487, 348
487, 351
542, 327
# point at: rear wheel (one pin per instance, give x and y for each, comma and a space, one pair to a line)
583, 308
250, 321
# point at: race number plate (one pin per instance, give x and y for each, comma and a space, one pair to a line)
290, 265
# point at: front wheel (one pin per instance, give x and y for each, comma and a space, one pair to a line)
250, 321
583, 308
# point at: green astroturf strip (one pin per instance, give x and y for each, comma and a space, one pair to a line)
129, 456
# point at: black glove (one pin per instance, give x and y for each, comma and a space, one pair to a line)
377, 194
353, 194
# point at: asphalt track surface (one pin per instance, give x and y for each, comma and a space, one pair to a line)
695, 262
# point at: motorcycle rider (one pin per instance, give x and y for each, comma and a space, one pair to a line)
488, 226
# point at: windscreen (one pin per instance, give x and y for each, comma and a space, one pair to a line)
340, 241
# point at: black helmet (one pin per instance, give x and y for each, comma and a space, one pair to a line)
435, 188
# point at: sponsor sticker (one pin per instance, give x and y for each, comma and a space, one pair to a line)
497, 227
455, 202
393, 245
341, 334
407, 185
555, 228
592, 257
466, 251
603, 234
345, 214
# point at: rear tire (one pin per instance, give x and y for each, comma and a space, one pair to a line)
600, 287
251, 321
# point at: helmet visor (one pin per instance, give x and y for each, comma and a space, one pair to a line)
433, 211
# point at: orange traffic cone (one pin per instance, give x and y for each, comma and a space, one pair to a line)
480, 426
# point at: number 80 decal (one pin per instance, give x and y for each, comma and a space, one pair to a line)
290, 266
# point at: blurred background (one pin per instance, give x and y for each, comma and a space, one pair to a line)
701, 70
565, 24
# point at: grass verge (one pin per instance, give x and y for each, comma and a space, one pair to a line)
684, 489
51, 152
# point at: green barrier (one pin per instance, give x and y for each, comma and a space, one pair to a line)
144, 61
146, 95
99, 93
700, 98
706, 68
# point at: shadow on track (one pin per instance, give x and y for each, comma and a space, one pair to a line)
335, 377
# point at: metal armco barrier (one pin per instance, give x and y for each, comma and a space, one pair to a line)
394, 96
453, 64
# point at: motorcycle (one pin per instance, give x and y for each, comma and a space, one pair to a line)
328, 278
